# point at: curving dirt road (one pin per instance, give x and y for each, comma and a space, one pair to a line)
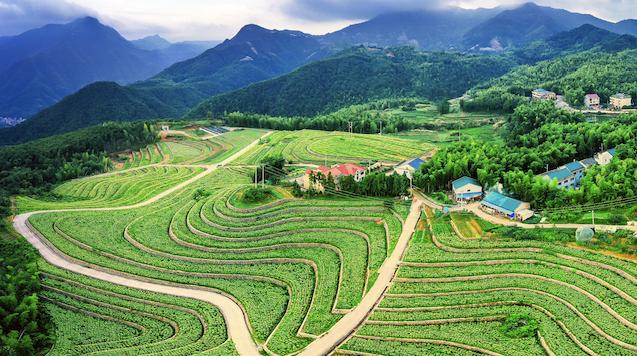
236, 322
345, 327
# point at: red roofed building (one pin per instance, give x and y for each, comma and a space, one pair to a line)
592, 101
345, 169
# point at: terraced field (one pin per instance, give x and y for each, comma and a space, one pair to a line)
309, 261
111, 189
335, 147
100, 317
192, 150
452, 294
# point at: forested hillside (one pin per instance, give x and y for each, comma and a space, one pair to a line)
357, 76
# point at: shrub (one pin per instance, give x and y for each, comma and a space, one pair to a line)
255, 195
519, 325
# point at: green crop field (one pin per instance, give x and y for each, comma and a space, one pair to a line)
296, 266
111, 189
452, 295
335, 147
309, 261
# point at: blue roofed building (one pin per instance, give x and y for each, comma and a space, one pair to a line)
568, 176
499, 204
466, 189
409, 167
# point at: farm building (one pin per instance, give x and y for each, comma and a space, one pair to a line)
604, 158
165, 127
409, 167
588, 162
620, 101
345, 169
542, 94
496, 203
466, 189
567, 176
592, 101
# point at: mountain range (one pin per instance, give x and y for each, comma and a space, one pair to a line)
527, 33
42, 66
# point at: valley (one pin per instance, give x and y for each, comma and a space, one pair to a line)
429, 180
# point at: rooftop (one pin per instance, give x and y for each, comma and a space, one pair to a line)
574, 166
416, 163
593, 95
560, 174
588, 162
498, 200
621, 96
461, 182
345, 169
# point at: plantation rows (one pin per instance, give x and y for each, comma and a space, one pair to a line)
295, 266
99, 317
334, 147
111, 189
188, 151
452, 295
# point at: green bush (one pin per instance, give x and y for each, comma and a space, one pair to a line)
256, 195
519, 325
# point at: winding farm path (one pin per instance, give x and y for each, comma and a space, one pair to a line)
345, 327
236, 321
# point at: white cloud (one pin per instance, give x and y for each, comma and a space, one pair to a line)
218, 19
17, 16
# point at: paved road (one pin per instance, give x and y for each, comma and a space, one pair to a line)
236, 321
475, 208
345, 327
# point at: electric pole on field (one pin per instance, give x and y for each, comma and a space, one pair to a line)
547, 167
263, 176
593, 215
256, 169
381, 128
350, 127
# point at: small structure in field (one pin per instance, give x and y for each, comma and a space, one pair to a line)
409, 167
312, 178
584, 234
620, 101
542, 94
592, 101
466, 189
498, 204
165, 127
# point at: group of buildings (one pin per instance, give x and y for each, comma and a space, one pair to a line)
337, 171
591, 100
569, 175
467, 189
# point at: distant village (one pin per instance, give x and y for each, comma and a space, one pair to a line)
466, 189
592, 101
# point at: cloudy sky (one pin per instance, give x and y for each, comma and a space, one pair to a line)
219, 19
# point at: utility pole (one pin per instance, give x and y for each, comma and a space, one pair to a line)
593, 215
381, 128
547, 167
256, 169
262, 176
350, 128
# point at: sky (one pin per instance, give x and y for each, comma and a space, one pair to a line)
179, 20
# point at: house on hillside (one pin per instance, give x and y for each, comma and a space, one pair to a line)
345, 169
567, 176
466, 189
592, 101
499, 204
542, 94
604, 158
165, 127
620, 101
409, 167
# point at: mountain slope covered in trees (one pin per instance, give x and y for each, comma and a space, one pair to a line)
359, 75
41, 66
254, 54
